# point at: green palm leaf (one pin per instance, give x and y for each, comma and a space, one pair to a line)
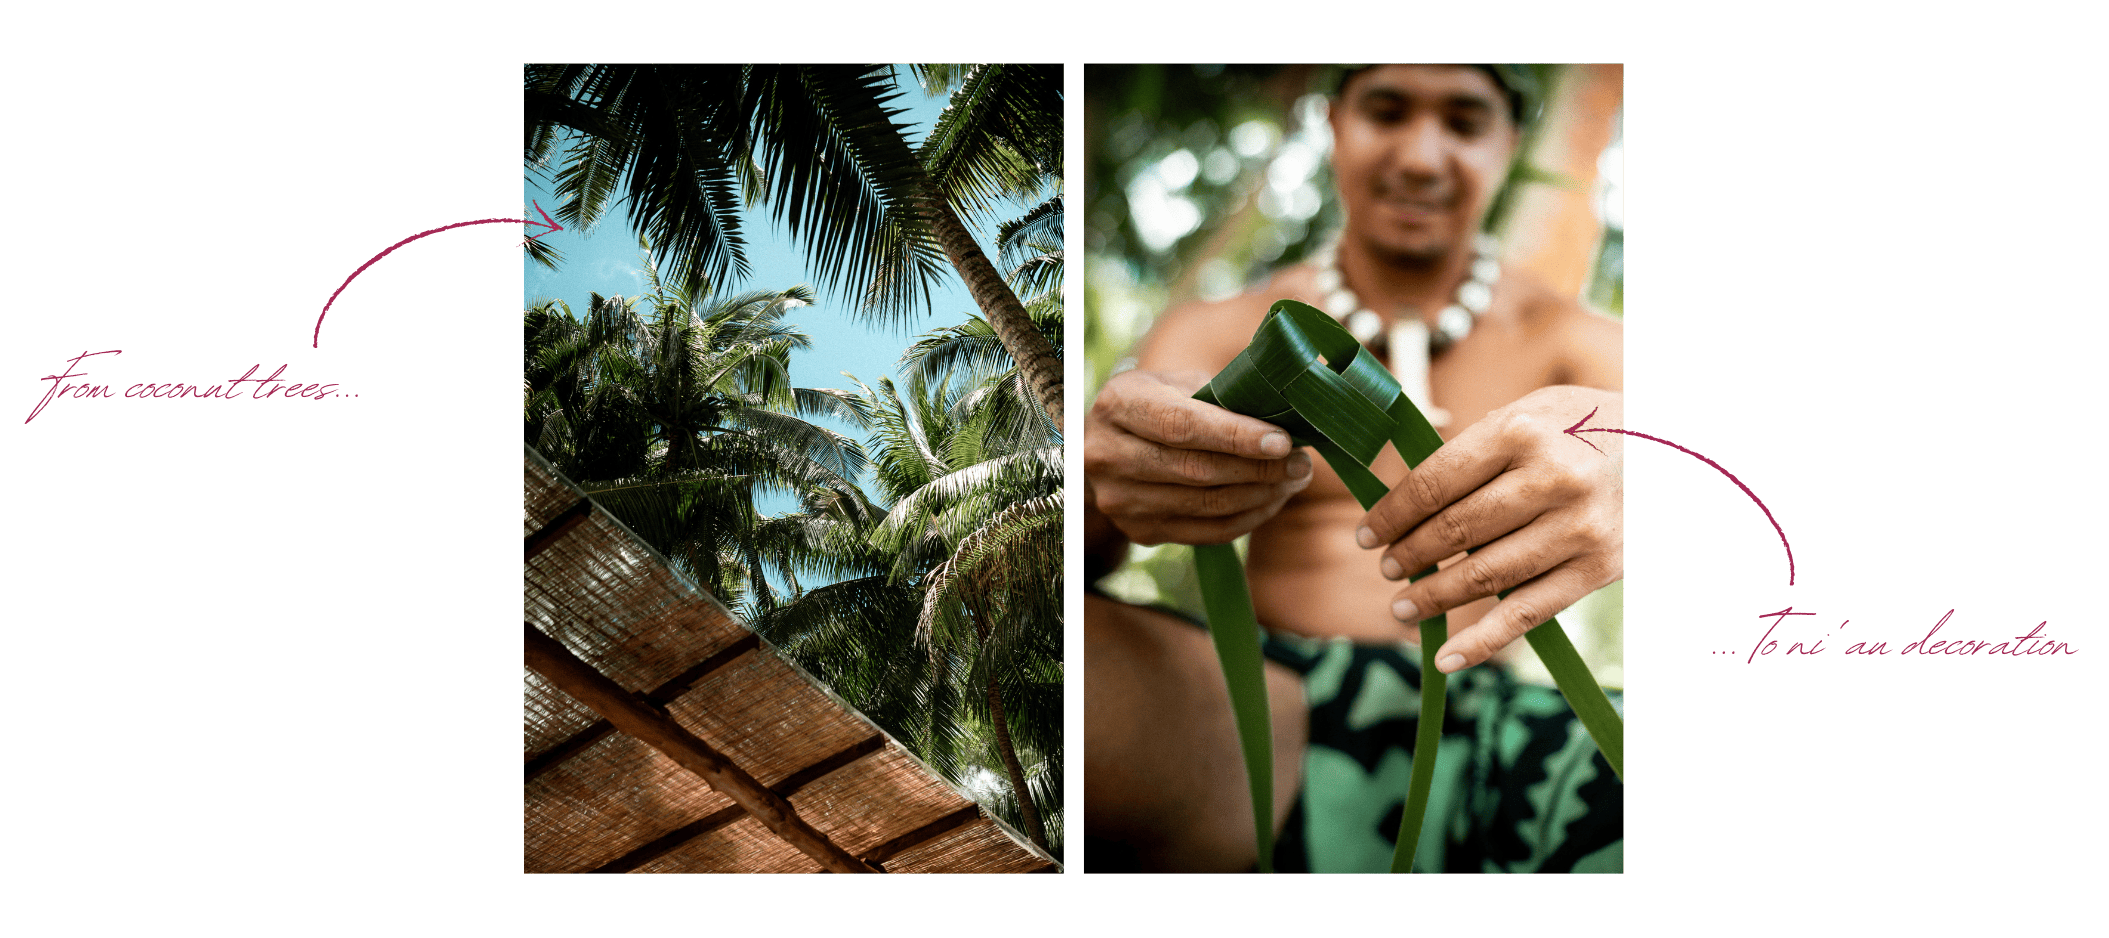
1000, 135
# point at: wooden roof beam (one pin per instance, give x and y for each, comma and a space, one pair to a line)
653, 726
559, 526
679, 837
662, 695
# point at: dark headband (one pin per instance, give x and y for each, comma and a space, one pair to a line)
1517, 83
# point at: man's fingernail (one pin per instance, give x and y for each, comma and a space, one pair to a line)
1391, 568
1299, 465
1365, 537
1405, 611
1275, 444
1449, 663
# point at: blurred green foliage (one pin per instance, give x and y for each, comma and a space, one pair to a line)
1217, 129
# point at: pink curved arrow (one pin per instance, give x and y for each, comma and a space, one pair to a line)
545, 222
1576, 431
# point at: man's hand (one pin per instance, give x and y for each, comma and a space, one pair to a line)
1543, 511
1165, 467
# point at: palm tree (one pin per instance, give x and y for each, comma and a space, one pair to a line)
674, 410
943, 620
688, 144
976, 523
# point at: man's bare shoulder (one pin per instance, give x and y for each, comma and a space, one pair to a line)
1589, 344
1206, 335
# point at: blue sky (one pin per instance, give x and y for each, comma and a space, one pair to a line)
606, 260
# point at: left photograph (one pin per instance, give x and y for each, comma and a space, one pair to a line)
792, 391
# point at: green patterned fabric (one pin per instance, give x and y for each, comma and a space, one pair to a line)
1519, 786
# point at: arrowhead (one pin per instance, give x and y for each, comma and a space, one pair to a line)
553, 226
1576, 431
546, 222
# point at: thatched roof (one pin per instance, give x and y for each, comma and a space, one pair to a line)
662, 687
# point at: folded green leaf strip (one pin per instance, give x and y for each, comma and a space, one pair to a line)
1307, 375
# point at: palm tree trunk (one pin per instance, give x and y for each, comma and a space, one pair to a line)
999, 305
942, 661
1011, 766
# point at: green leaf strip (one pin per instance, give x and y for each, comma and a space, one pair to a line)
1427, 737
1236, 631
1307, 375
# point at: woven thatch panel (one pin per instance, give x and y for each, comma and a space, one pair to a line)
744, 846
767, 718
604, 802
618, 607
865, 804
980, 847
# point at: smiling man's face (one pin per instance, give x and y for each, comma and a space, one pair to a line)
1418, 151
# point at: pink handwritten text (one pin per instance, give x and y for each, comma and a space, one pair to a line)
2036, 642
246, 387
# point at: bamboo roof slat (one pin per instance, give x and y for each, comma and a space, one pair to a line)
677, 664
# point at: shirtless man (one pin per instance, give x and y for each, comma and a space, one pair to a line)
1418, 152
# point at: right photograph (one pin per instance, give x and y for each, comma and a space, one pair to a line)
1354, 501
